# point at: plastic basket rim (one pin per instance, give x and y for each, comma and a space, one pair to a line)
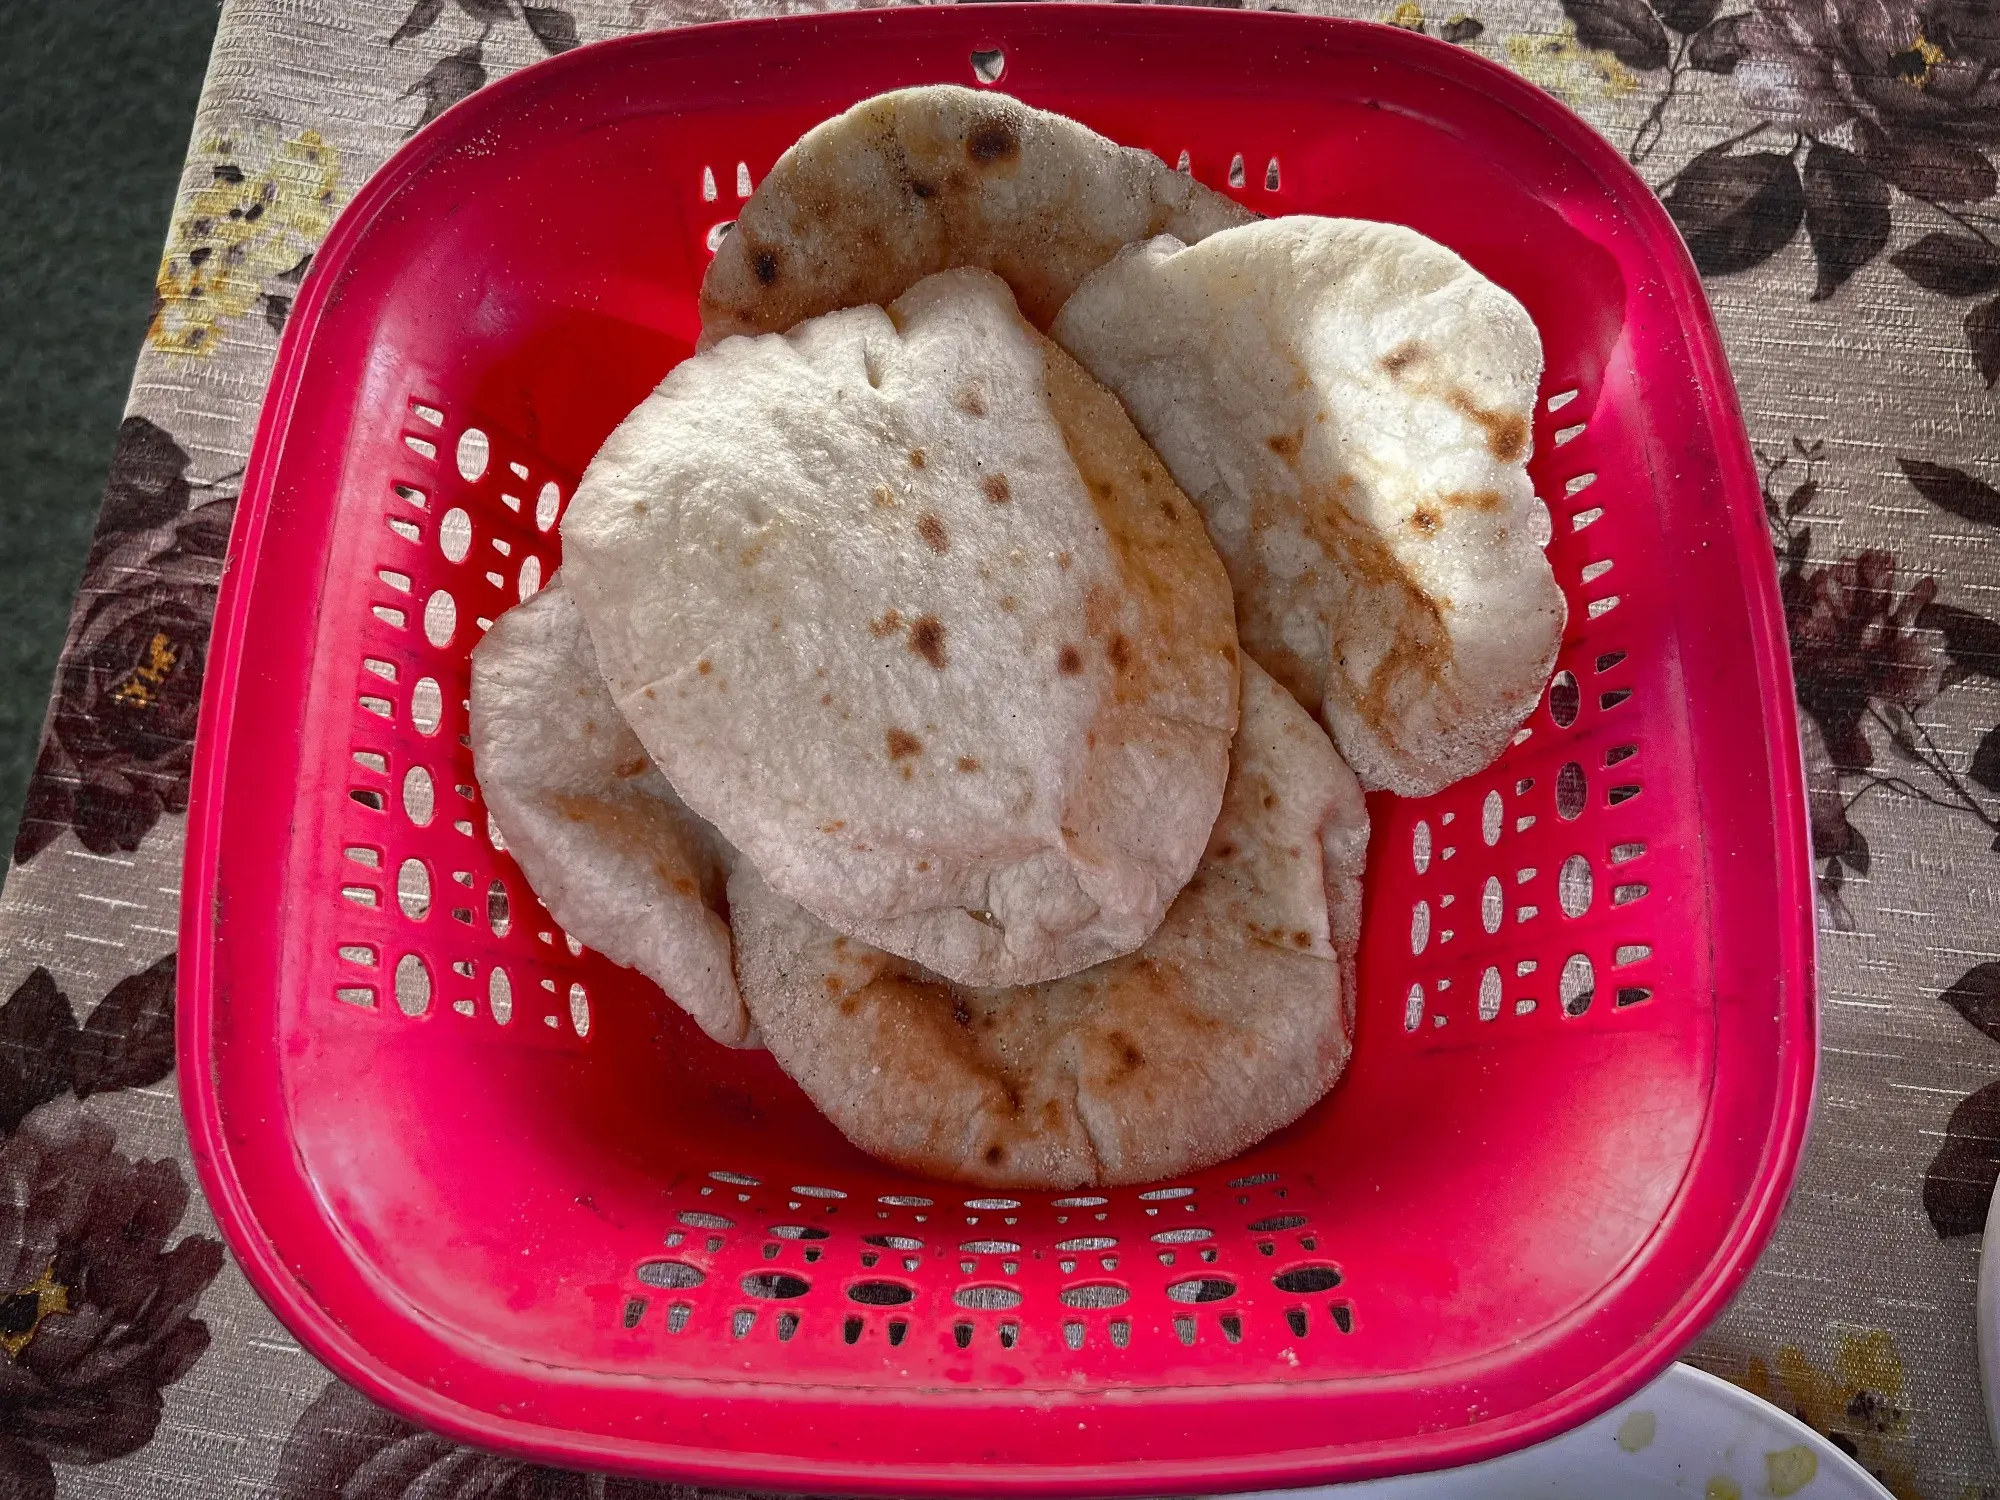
257, 1252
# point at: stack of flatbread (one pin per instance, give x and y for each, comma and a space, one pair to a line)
956, 667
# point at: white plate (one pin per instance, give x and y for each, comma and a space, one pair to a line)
1688, 1434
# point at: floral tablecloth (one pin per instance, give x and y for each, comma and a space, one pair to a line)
1832, 163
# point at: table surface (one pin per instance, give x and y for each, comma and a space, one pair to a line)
1831, 161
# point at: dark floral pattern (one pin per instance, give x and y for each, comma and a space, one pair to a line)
1846, 104
1855, 642
128, 1042
463, 72
1917, 81
1960, 1181
344, 1447
96, 1310
1869, 654
119, 744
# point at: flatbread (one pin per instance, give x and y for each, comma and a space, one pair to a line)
1231, 1021
903, 605
1350, 405
920, 180
615, 856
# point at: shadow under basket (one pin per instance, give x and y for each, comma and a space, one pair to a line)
494, 1181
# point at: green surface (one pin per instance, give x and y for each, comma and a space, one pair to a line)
97, 100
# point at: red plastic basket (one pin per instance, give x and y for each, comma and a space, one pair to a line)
542, 1212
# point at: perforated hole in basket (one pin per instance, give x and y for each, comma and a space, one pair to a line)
526, 1149
414, 791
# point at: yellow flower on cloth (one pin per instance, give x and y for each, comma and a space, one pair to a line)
1562, 65
257, 220
1458, 27
1859, 1404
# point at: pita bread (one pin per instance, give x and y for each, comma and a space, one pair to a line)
611, 851
921, 180
1229, 1023
1350, 405
904, 606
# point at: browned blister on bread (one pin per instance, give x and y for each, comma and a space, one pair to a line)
921, 180
902, 603
1349, 404
1228, 1023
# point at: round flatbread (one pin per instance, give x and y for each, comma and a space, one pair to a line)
902, 604
611, 851
921, 180
1350, 405
1228, 1023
